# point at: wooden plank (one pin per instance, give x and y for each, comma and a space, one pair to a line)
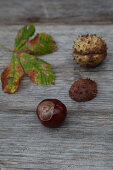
85, 140
56, 11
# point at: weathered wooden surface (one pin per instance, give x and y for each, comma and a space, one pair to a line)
85, 140
56, 11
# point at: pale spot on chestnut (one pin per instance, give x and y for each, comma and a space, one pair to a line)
45, 110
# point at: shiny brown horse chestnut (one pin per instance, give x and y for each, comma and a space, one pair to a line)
51, 112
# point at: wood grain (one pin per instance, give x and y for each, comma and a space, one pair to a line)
56, 11
85, 140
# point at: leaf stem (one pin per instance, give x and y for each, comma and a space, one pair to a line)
3, 46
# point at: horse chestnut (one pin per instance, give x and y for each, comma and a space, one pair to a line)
51, 112
83, 90
89, 50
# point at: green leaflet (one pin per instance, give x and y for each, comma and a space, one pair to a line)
41, 44
23, 35
38, 70
12, 75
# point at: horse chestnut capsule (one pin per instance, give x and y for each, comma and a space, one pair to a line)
51, 112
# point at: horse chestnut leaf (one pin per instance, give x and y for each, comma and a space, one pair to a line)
51, 112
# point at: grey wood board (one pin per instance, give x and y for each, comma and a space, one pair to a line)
56, 11
85, 140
